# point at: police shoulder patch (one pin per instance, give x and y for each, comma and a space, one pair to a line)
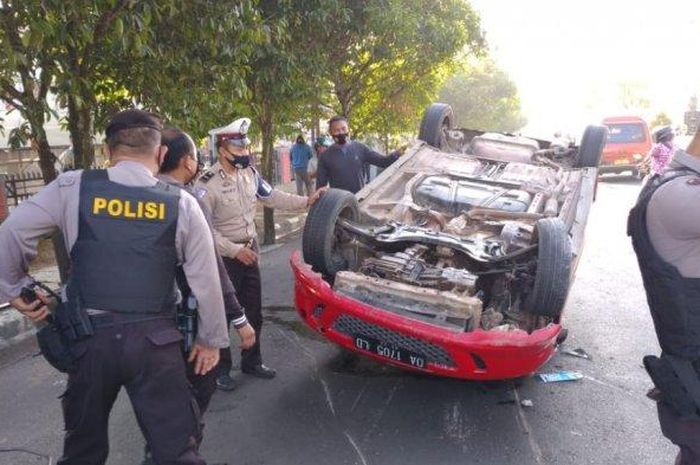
200, 192
263, 189
206, 177
67, 179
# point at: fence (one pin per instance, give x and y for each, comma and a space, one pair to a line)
17, 187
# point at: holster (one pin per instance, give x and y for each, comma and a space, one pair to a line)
59, 340
186, 320
679, 383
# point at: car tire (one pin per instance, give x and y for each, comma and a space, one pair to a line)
553, 275
591, 148
437, 118
321, 237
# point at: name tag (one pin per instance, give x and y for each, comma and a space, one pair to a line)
129, 209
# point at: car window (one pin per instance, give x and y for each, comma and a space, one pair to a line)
626, 133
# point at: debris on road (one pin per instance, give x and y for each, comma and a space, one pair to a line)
526, 403
560, 376
579, 352
506, 397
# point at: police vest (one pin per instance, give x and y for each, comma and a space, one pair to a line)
674, 300
124, 258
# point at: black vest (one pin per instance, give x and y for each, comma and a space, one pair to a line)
124, 258
674, 300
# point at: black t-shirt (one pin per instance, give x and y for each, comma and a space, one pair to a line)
341, 165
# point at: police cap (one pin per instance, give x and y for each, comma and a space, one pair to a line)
131, 119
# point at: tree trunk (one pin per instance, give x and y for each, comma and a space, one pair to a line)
48, 172
80, 125
268, 140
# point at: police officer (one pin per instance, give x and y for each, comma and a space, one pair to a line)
231, 188
180, 168
665, 230
126, 232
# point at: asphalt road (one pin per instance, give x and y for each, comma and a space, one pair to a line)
325, 408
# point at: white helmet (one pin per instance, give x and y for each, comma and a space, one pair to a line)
235, 133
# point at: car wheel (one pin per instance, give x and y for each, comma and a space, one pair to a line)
552, 279
591, 148
437, 120
326, 247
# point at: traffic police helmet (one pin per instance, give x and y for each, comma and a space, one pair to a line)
235, 133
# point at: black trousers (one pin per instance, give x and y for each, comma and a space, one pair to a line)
246, 280
684, 434
145, 358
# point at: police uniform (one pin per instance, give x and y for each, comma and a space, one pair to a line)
126, 232
204, 386
232, 200
665, 230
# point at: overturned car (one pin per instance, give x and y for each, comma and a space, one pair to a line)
456, 260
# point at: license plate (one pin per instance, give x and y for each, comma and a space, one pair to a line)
621, 162
389, 351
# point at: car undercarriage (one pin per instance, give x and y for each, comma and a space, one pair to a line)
466, 232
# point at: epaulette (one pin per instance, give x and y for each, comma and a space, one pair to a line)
206, 177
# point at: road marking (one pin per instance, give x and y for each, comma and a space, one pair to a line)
357, 449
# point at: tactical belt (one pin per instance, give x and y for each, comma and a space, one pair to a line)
110, 319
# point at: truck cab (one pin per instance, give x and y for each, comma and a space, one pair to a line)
628, 143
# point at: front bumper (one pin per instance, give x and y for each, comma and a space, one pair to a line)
603, 169
477, 355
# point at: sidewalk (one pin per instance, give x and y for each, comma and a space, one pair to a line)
15, 328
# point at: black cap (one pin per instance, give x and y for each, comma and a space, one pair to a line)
133, 118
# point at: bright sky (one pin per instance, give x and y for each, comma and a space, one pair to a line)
569, 57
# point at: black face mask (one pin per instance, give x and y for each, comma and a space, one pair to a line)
341, 138
240, 162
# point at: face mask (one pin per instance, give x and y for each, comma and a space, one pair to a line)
341, 138
240, 162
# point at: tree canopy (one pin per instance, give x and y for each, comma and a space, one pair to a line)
483, 97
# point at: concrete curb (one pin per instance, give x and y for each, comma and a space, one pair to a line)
15, 328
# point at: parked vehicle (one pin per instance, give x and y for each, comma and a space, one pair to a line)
629, 141
456, 260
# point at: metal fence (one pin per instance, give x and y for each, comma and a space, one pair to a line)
14, 188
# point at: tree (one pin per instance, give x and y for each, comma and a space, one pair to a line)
661, 119
26, 74
633, 96
387, 58
483, 97
286, 73
202, 57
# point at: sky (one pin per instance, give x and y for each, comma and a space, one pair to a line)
570, 58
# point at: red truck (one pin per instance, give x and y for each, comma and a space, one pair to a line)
628, 143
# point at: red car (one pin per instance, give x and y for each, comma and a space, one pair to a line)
456, 260
629, 142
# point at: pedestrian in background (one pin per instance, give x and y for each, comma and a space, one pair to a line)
321, 145
662, 151
301, 155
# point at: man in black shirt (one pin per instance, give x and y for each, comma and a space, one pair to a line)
341, 166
